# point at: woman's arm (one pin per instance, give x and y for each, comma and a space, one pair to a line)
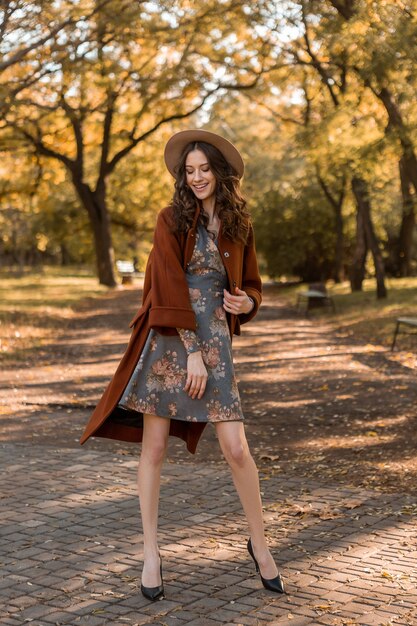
190, 340
196, 382
245, 302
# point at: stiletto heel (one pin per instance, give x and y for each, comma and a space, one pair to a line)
272, 584
154, 593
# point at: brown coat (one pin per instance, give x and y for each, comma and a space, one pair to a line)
165, 307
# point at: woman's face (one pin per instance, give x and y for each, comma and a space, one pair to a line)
199, 176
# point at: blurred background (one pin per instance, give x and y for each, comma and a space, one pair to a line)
318, 96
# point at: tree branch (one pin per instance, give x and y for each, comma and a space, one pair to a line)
19, 55
346, 8
275, 114
41, 148
336, 203
315, 61
105, 144
177, 116
77, 128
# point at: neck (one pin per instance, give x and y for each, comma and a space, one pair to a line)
209, 205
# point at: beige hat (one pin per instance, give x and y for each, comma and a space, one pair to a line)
177, 143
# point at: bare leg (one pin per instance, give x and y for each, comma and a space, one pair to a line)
154, 445
233, 443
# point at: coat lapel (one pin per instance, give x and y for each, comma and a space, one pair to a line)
231, 253
190, 240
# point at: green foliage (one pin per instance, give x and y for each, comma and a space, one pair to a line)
295, 234
97, 99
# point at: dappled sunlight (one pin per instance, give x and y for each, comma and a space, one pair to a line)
319, 98
327, 442
357, 442
360, 316
289, 403
34, 306
85, 521
406, 359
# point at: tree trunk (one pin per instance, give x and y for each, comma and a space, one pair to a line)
95, 204
396, 122
357, 273
338, 259
405, 241
360, 191
65, 258
336, 203
408, 168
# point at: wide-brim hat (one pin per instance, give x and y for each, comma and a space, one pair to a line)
177, 143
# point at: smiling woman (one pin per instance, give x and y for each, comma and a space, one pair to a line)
177, 375
200, 178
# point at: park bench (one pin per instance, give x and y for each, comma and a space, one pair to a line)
314, 297
127, 271
405, 321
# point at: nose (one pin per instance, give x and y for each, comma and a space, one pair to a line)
197, 176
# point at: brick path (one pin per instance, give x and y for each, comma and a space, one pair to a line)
70, 542
71, 547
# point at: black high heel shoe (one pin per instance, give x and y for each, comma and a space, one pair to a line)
272, 584
154, 593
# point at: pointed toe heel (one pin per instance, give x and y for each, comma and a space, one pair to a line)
272, 584
154, 593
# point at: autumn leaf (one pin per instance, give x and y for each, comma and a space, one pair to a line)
269, 457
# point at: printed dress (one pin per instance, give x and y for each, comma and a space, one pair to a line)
157, 383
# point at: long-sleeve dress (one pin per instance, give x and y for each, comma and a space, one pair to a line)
157, 384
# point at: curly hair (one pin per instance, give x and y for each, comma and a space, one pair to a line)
230, 204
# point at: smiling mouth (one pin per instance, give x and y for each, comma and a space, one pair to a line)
200, 187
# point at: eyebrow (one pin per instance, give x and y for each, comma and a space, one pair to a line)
202, 165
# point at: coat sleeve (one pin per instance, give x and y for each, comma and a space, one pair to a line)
251, 279
170, 302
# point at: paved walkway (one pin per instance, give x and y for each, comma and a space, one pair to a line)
317, 409
71, 547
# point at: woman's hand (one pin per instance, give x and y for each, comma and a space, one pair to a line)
196, 375
240, 303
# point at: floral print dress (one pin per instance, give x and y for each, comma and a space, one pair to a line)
157, 383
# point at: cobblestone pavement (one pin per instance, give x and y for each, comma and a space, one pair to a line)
71, 546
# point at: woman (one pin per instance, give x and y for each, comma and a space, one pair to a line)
201, 282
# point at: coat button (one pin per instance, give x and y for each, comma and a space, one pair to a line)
226, 254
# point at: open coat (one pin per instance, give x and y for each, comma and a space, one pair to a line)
166, 306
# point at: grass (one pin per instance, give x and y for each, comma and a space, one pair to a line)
363, 316
35, 303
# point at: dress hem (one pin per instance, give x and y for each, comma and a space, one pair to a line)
140, 414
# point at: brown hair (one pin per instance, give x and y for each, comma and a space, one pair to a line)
231, 206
